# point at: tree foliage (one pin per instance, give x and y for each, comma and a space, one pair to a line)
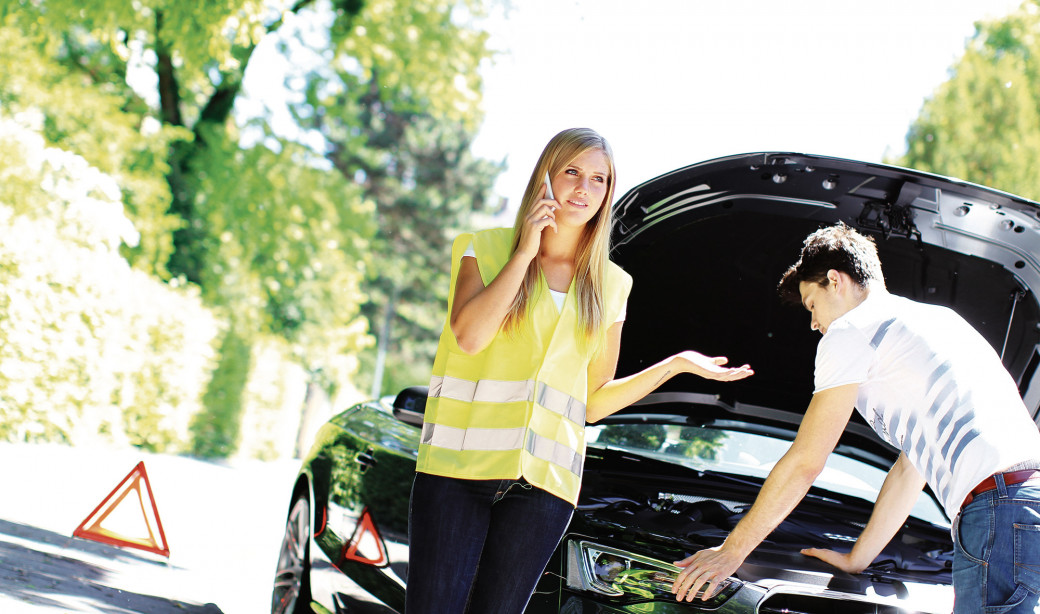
411, 156
88, 109
983, 124
88, 345
277, 237
426, 186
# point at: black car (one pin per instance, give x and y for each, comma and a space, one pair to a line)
673, 474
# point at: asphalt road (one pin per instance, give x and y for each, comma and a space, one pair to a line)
223, 524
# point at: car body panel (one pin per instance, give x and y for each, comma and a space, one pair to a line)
615, 478
363, 460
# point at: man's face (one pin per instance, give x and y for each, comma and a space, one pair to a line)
825, 304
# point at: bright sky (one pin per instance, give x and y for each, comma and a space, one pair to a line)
675, 82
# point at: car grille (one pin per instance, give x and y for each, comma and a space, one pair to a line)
813, 604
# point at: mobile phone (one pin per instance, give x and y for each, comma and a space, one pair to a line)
548, 187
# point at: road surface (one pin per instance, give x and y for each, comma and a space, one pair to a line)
223, 524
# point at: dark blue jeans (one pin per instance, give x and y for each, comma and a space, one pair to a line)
996, 561
479, 546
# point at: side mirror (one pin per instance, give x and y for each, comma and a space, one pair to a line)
410, 405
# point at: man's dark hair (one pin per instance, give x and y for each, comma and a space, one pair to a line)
837, 247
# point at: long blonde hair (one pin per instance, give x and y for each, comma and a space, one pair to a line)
592, 256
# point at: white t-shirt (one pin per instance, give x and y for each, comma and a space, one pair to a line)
557, 296
930, 385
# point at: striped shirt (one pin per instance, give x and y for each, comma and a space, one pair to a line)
930, 385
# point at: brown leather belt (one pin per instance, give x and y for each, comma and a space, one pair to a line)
1011, 478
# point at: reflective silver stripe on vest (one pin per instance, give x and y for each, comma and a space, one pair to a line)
508, 391
561, 403
554, 452
452, 438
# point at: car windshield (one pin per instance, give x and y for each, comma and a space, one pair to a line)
739, 453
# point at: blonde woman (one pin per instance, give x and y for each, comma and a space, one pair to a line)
526, 357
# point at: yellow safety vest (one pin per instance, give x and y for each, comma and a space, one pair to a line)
517, 408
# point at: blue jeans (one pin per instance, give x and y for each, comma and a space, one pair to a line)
479, 545
996, 561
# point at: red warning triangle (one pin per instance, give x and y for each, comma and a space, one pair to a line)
93, 527
366, 537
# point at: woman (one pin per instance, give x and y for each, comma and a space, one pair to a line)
526, 357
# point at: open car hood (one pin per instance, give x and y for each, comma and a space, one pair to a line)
707, 245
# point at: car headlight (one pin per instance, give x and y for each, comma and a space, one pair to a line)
616, 573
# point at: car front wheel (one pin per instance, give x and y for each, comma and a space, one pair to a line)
292, 594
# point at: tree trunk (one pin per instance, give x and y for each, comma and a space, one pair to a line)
384, 343
317, 409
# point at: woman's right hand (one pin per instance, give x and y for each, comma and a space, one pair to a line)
542, 216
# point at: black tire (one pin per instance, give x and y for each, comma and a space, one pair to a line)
292, 586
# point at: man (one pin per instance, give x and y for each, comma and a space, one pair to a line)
928, 384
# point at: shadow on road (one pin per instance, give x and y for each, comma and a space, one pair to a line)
43, 568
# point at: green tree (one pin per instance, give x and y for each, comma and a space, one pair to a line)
426, 185
89, 346
983, 124
78, 94
284, 241
411, 156
270, 233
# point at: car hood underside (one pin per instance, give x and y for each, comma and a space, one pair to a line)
708, 244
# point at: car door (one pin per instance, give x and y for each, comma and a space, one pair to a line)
362, 521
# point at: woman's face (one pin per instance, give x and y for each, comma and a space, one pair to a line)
581, 187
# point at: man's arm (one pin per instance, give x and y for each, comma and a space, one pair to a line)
790, 479
897, 497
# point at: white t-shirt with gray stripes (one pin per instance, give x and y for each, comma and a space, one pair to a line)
933, 387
